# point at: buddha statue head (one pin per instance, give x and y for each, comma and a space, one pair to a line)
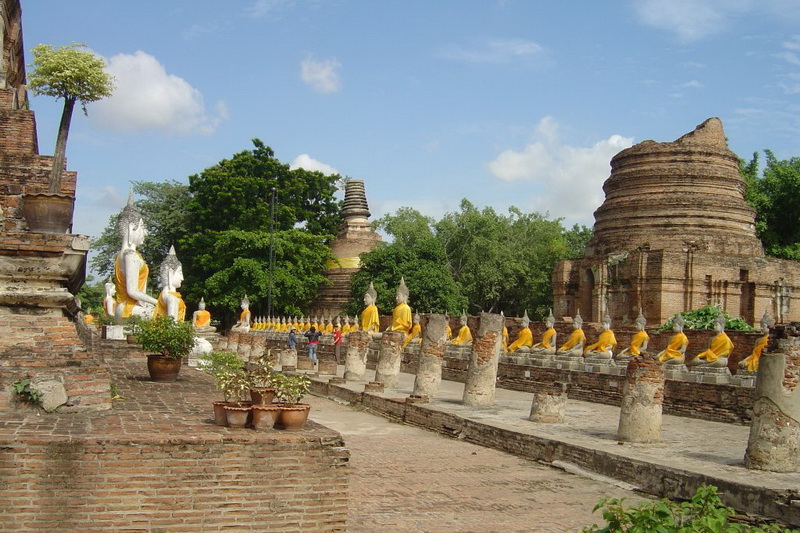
550, 320
371, 296
130, 225
766, 322
202, 305
463, 319
641, 322
678, 323
720, 322
577, 322
525, 320
416, 318
245, 303
111, 289
606, 322
401, 296
170, 273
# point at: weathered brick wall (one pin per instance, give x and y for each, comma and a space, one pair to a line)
289, 482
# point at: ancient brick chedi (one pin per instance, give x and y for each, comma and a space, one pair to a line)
355, 237
673, 234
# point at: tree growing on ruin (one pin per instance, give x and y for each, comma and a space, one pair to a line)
78, 76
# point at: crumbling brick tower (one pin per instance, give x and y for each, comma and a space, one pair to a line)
673, 234
39, 272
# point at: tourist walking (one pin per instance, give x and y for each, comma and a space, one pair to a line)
313, 341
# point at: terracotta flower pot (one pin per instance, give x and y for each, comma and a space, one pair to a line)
220, 418
163, 368
48, 212
262, 395
238, 415
265, 416
293, 416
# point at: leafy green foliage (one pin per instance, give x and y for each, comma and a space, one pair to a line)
290, 389
218, 362
473, 259
776, 198
69, 72
165, 336
234, 384
705, 317
705, 513
22, 388
91, 295
260, 372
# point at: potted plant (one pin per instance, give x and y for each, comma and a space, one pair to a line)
216, 364
262, 392
134, 324
77, 75
171, 341
289, 390
235, 385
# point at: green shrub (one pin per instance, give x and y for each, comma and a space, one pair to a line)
163, 335
705, 317
26, 393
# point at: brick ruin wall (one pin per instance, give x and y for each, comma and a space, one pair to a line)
285, 483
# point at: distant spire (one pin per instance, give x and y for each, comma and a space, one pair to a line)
355, 200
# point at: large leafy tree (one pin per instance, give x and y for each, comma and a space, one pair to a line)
240, 209
78, 76
775, 195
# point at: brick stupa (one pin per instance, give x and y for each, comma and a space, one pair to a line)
355, 237
41, 336
674, 234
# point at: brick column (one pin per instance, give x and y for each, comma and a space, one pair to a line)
642, 397
388, 369
482, 372
549, 402
355, 359
431, 355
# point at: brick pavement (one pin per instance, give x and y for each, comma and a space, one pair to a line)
405, 479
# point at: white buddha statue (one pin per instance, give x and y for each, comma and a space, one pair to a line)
547, 346
130, 269
110, 302
574, 345
243, 324
201, 319
170, 303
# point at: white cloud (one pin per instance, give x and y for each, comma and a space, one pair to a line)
568, 179
322, 76
265, 8
693, 84
691, 20
495, 51
147, 98
309, 163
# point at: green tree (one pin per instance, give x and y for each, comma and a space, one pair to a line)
416, 255
91, 295
775, 196
74, 74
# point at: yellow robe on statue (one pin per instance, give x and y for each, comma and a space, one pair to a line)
161, 306
369, 319
504, 343
122, 291
525, 338
401, 318
464, 336
751, 361
673, 348
721, 346
637, 342
449, 332
577, 337
547, 337
416, 331
605, 343
202, 318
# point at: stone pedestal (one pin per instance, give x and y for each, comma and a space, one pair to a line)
549, 403
568, 362
244, 347
258, 345
642, 398
355, 359
388, 369
775, 430
710, 374
545, 360
458, 352
116, 333
481, 381
605, 365
434, 342
233, 341
678, 372
288, 359
327, 367
373, 386
744, 378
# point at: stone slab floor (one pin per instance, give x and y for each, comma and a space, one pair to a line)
406, 479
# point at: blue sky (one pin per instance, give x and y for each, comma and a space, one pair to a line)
502, 102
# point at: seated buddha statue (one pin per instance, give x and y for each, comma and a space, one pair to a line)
170, 303
719, 348
201, 319
243, 325
415, 336
370, 322
110, 302
345, 325
547, 346
130, 269
675, 352
504, 334
606, 342
401, 314
464, 335
448, 331
638, 342
524, 341
327, 327
574, 345
750, 363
